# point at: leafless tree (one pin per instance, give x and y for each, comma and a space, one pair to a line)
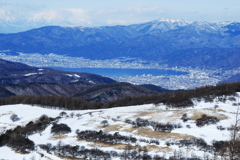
62, 114
78, 115
72, 114
14, 117
104, 122
40, 130
90, 113
234, 142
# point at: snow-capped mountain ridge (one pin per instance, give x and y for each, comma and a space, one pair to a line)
161, 25
159, 40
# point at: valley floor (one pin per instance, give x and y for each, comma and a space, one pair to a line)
195, 78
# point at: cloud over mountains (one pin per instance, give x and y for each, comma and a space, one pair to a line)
22, 15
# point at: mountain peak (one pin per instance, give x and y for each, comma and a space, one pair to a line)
172, 20
161, 25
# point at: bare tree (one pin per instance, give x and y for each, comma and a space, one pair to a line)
233, 147
104, 122
77, 131
40, 130
78, 115
72, 114
90, 113
62, 114
14, 117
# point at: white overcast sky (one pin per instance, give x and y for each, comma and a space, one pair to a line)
113, 12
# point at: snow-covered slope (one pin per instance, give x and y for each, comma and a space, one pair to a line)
161, 25
224, 111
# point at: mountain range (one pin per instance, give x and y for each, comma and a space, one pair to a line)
172, 42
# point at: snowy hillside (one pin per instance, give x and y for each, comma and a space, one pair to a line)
158, 26
118, 122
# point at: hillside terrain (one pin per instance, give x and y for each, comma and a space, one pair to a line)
18, 73
155, 88
189, 139
21, 79
113, 91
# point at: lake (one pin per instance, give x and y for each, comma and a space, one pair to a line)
114, 72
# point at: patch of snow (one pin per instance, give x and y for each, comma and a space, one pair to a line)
92, 82
77, 75
30, 74
69, 75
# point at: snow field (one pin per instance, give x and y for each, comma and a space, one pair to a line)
26, 113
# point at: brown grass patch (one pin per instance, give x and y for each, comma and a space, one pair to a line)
112, 128
70, 158
222, 117
179, 113
116, 146
198, 114
130, 129
146, 132
123, 146
4, 114
163, 115
157, 148
61, 136
221, 110
161, 135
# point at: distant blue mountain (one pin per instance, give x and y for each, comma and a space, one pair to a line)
173, 42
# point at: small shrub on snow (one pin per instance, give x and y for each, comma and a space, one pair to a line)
60, 129
206, 120
14, 117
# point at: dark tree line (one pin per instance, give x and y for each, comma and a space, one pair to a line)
53, 102
157, 126
136, 153
115, 138
100, 136
75, 151
178, 99
129, 153
217, 147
